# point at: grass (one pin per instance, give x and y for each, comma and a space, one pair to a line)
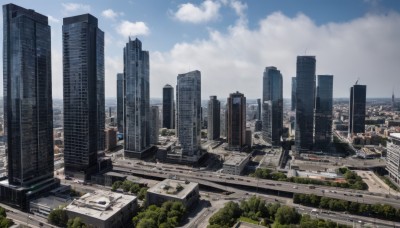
389, 182
248, 220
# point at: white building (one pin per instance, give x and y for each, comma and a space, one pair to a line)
103, 209
235, 163
393, 157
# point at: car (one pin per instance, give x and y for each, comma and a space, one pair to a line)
295, 187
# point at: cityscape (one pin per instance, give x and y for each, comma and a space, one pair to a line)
293, 154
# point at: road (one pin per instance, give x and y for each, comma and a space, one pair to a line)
26, 218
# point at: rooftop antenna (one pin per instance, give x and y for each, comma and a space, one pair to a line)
357, 80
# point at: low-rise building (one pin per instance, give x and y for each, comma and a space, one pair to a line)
174, 190
393, 157
44, 205
103, 209
235, 163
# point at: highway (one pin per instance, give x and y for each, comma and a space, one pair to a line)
223, 179
26, 218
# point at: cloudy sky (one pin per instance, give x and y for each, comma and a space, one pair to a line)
232, 41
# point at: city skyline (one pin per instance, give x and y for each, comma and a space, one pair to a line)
363, 25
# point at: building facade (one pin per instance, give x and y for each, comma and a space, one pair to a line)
214, 121
358, 94
305, 90
188, 95
393, 157
154, 124
137, 99
168, 108
120, 102
259, 107
323, 113
111, 138
272, 106
236, 121
293, 101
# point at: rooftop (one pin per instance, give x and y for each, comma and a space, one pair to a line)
51, 201
395, 135
100, 204
236, 158
168, 187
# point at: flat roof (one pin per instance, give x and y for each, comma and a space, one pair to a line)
395, 135
51, 201
236, 158
100, 204
167, 187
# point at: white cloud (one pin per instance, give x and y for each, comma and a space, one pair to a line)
53, 19
127, 28
206, 11
110, 14
367, 48
73, 7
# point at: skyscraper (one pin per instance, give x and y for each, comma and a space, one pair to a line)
323, 113
358, 95
214, 114
120, 102
236, 121
137, 99
168, 107
293, 94
84, 112
188, 103
305, 89
259, 106
272, 106
154, 124
28, 111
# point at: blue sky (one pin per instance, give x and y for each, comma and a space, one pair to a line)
232, 41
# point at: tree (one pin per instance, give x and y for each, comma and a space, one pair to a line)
147, 223
58, 217
287, 215
76, 223
3, 212
142, 193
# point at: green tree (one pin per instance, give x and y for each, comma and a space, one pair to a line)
142, 193
287, 215
58, 217
76, 223
3, 212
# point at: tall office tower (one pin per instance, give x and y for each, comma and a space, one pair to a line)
188, 103
28, 111
84, 112
168, 108
305, 89
358, 95
259, 117
222, 126
272, 124
120, 102
154, 124
293, 93
323, 113
236, 121
393, 102
137, 100
393, 157
214, 121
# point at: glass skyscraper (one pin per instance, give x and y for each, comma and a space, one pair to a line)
272, 106
137, 99
120, 102
214, 115
188, 104
84, 113
305, 100
323, 113
358, 95
236, 121
168, 108
293, 94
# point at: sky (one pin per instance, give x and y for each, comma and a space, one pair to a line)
232, 41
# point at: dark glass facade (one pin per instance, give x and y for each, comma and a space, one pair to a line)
28, 111
358, 95
214, 115
305, 100
236, 120
323, 113
293, 94
137, 99
272, 106
120, 102
258, 109
168, 108
84, 112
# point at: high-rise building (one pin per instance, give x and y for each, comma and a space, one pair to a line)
236, 121
323, 113
84, 111
393, 102
188, 103
28, 111
111, 138
358, 95
214, 115
305, 90
168, 108
293, 94
154, 124
272, 124
137, 100
393, 157
259, 106
120, 102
